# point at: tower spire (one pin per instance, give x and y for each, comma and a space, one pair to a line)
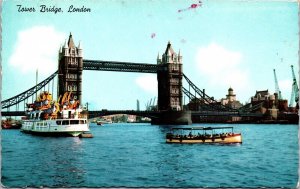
65, 45
79, 50
79, 45
71, 42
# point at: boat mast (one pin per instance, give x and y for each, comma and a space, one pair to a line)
36, 82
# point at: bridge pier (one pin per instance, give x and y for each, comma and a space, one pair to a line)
173, 118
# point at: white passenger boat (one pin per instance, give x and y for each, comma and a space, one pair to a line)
63, 118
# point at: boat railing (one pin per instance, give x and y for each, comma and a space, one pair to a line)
219, 135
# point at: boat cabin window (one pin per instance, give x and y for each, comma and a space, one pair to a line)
65, 122
82, 121
58, 122
73, 122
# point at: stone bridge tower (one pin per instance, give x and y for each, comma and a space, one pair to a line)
70, 66
169, 78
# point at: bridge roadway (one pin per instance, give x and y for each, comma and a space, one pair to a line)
102, 65
150, 114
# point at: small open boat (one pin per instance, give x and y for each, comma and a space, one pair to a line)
224, 135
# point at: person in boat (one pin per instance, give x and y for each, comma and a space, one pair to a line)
190, 135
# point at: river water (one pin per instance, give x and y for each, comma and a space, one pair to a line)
136, 155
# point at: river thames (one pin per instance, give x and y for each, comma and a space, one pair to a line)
136, 155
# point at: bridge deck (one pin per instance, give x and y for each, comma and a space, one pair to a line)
150, 114
119, 66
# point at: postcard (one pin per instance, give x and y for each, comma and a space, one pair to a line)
146, 93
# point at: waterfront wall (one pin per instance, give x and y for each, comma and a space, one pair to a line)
281, 119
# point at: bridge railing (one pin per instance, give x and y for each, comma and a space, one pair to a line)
203, 105
26, 94
207, 99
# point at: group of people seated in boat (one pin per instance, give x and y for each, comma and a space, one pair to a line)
202, 136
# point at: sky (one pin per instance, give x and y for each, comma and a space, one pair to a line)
223, 43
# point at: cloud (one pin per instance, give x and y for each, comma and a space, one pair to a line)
37, 47
148, 83
222, 67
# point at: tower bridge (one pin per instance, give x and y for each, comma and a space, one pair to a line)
170, 109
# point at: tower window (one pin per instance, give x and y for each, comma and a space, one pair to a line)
72, 52
175, 67
174, 81
73, 62
72, 87
72, 76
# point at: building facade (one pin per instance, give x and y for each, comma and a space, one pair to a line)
169, 78
70, 66
230, 100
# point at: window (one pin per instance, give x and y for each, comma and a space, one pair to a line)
174, 80
72, 61
174, 90
73, 122
58, 122
175, 67
65, 122
72, 87
174, 101
72, 76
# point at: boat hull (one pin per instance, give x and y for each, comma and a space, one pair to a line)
51, 128
236, 138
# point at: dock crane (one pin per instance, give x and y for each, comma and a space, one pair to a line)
277, 90
154, 101
295, 89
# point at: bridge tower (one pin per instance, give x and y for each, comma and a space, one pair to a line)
169, 78
70, 66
